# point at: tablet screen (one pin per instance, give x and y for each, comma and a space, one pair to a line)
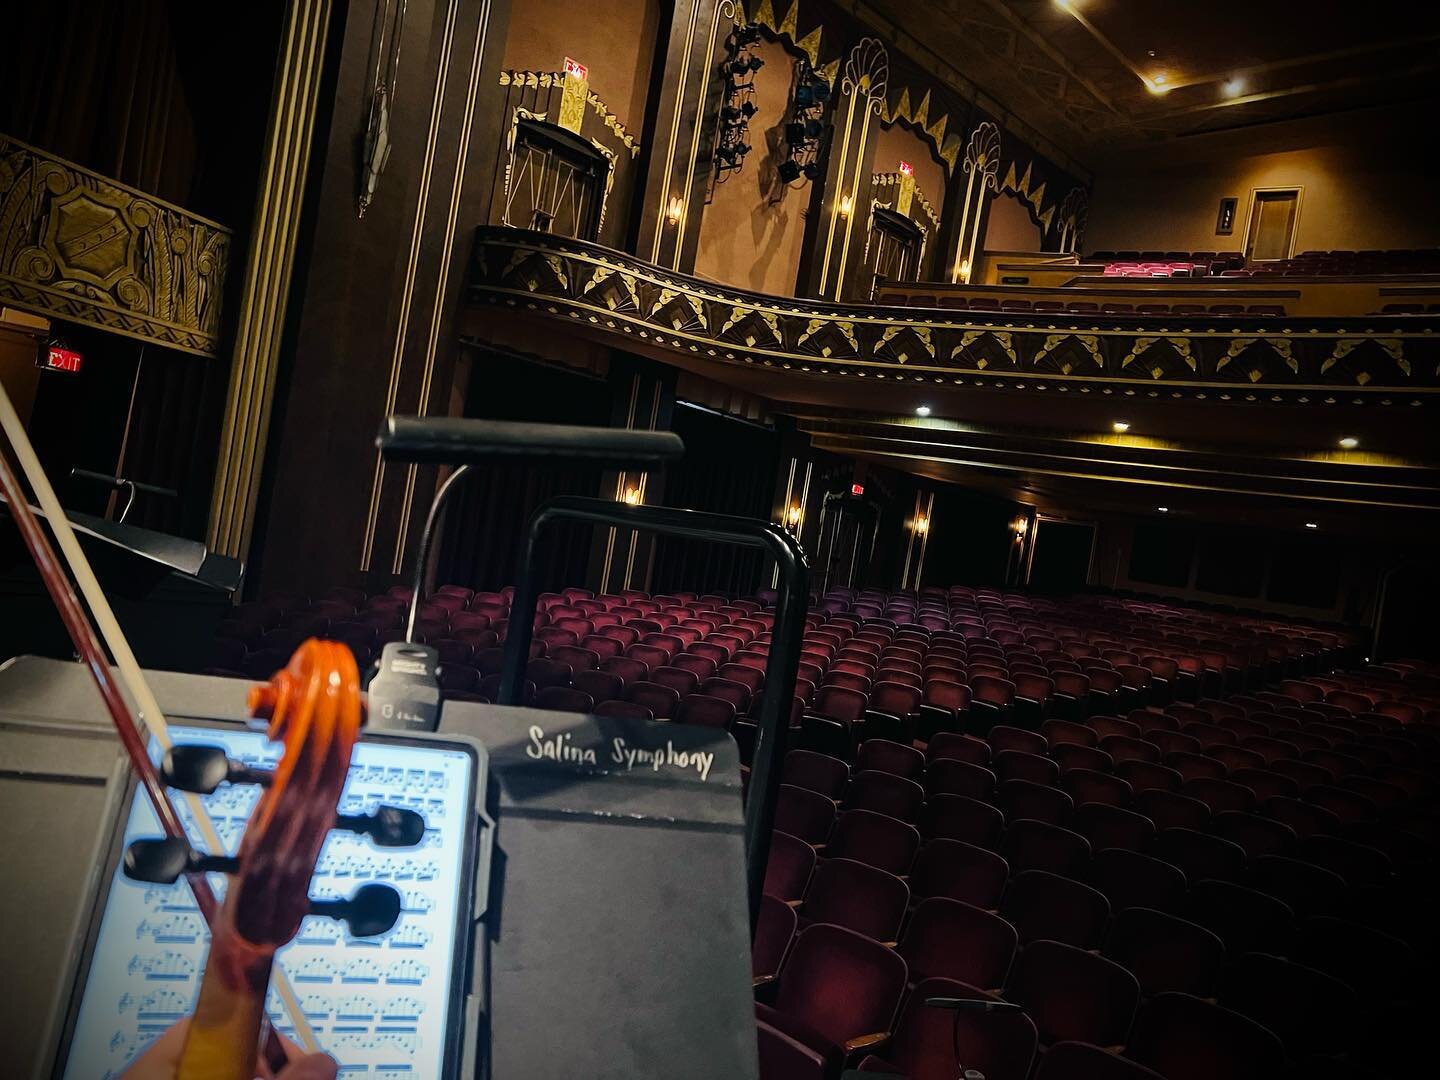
380, 1006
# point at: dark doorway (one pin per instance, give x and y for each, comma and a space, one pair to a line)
1061, 562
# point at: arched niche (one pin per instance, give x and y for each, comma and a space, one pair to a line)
1012, 225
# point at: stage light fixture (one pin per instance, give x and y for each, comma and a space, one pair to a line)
812, 171
794, 133
1234, 87
1163, 509
789, 172
804, 96
1349, 442
1311, 525
1120, 427
923, 410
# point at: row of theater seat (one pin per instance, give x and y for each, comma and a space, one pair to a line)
1254, 918
1309, 263
1204, 261
1081, 307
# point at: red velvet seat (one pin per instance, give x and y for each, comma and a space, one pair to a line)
1041, 905
955, 940
932, 1043
877, 840
1166, 953
1073, 994
789, 868
861, 898
1184, 1038
958, 871
838, 992
885, 793
1130, 879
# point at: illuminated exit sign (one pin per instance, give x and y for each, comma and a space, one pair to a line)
574, 67
857, 489
58, 358
907, 168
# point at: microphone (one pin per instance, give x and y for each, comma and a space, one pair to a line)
405, 692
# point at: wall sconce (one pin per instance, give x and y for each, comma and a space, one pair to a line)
674, 210
792, 516
965, 271
846, 206
1021, 527
922, 526
632, 496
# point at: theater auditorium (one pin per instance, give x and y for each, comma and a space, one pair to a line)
719, 539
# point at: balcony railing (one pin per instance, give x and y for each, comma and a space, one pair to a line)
614, 296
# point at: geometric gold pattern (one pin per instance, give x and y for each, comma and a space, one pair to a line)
87, 249
623, 301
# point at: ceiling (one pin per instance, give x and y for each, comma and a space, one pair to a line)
1097, 74
1279, 467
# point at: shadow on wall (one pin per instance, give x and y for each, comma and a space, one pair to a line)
754, 226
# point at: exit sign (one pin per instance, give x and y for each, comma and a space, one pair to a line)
574, 67
907, 168
857, 489
59, 358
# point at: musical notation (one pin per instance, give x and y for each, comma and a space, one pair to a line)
380, 1006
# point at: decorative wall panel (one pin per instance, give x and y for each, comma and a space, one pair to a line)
77, 246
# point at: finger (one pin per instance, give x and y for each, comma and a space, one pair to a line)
161, 1057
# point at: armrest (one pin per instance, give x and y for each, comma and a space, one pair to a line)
863, 1042
800, 1031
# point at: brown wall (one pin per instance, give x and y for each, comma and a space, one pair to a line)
1009, 227
615, 41
1365, 185
898, 143
754, 227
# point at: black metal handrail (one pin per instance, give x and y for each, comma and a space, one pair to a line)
790, 609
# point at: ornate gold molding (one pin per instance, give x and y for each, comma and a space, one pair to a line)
616, 297
546, 80
81, 247
267, 276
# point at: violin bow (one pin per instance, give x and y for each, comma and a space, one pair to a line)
149, 716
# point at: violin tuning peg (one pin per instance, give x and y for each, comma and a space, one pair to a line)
162, 862
388, 826
202, 769
372, 910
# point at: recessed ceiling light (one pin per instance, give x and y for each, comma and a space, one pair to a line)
1234, 87
1349, 442
1120, 426
1163, 509
1311, 525
1157, 84
923, 410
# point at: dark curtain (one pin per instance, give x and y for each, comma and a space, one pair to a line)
728, 468
170, 97
484, 529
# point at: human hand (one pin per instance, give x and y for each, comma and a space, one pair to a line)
161, 1060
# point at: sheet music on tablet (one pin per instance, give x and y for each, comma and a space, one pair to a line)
379, 1006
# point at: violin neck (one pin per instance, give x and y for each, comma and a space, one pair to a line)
224, 1037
